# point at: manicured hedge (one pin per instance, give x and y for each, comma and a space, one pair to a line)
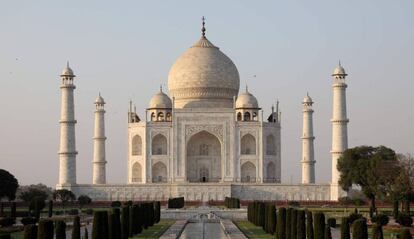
309, 225
281, 223
125, 222
345, 230
45, 229
301, 226
360, 229
231, 202
60, 230
319, 225
30, 231
176, 202
100, 225
76, 228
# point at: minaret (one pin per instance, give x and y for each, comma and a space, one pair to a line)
308, 158
339, 126
67, 149
99, 162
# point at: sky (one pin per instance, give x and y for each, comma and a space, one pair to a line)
124, 49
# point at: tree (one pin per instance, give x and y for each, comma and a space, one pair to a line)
319, 225
30, 231
293, 222
84, 200
60, 230
76, 228
100, 225
125, 222
8, 185
405, 234
288, 222
309, 225
86, 234
345, 230
301, 233
50, 209
367, 167
36, 205
63, 196
45, 229
360, 229
281, 223
328, 234
28, 193
377, 231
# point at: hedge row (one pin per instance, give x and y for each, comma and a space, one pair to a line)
230, 202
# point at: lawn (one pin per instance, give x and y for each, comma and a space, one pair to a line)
252, 231
155, 231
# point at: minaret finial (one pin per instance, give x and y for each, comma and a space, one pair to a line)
160, 87
203, 29
340, 62
307, 93
99, 94
247, 88
67, 64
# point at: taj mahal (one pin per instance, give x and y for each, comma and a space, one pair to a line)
206, 139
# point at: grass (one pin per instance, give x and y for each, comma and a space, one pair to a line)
252, 231
155, 231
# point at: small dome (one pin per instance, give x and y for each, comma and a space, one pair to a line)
160, 101
67, 71
307, 99
339, 70
246, 100
99, 100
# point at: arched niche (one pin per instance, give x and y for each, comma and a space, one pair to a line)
136, 145
248, 172
136, 173
159, 145
248, 145
159, 173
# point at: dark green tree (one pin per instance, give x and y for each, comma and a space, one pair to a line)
288, 222
360, 229
301, 226
27, 193
293, 224
84, 200
125, 222
63, 196
319, 225
36, 206
377, 231
60, 229
405, 234
45, 229
30, 232
114, 222
8, 185
157, 209
86, 234
328, 234
100, 225
50, 211
13, 210
76, 233
272, 219
345, 230
281, 223
367, 167
309, 225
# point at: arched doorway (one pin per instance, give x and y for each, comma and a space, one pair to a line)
159, 173
136, 173
271, 172
248, 172
203, 158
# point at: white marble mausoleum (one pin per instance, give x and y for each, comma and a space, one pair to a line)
204, 140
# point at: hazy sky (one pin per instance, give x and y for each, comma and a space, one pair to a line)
124, 49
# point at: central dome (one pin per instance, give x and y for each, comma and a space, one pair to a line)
203, 77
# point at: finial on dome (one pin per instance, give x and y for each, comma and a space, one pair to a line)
247, 89
160, 87
67, 64
339, 62
203, 29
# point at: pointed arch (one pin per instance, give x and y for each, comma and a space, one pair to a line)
246, 116
136, 145
248, 145
271, 172
270, 145
239, 116
159, 172
136, 173
248, 172
159, 145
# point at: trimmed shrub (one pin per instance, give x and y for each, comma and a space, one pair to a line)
395, 208
260, 213
30, 231
45, 229
328, 234
404, 219
73, 212
176, 202
115, 224
100, 225
345, 230
309, 225
301, 233
28, 220
231, 202
13, 210
381, 219
60, 229
88, 211
319, 225
405, 234
272, 219
281, 223
76, 228
50, 209
288, 222
293, 204
36, 205
377, 231
293, 224
331, 222
354, 216
141, 218
157, 211
7, 221
116, 204
129, 203
125, 222
132, 220
360, 229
